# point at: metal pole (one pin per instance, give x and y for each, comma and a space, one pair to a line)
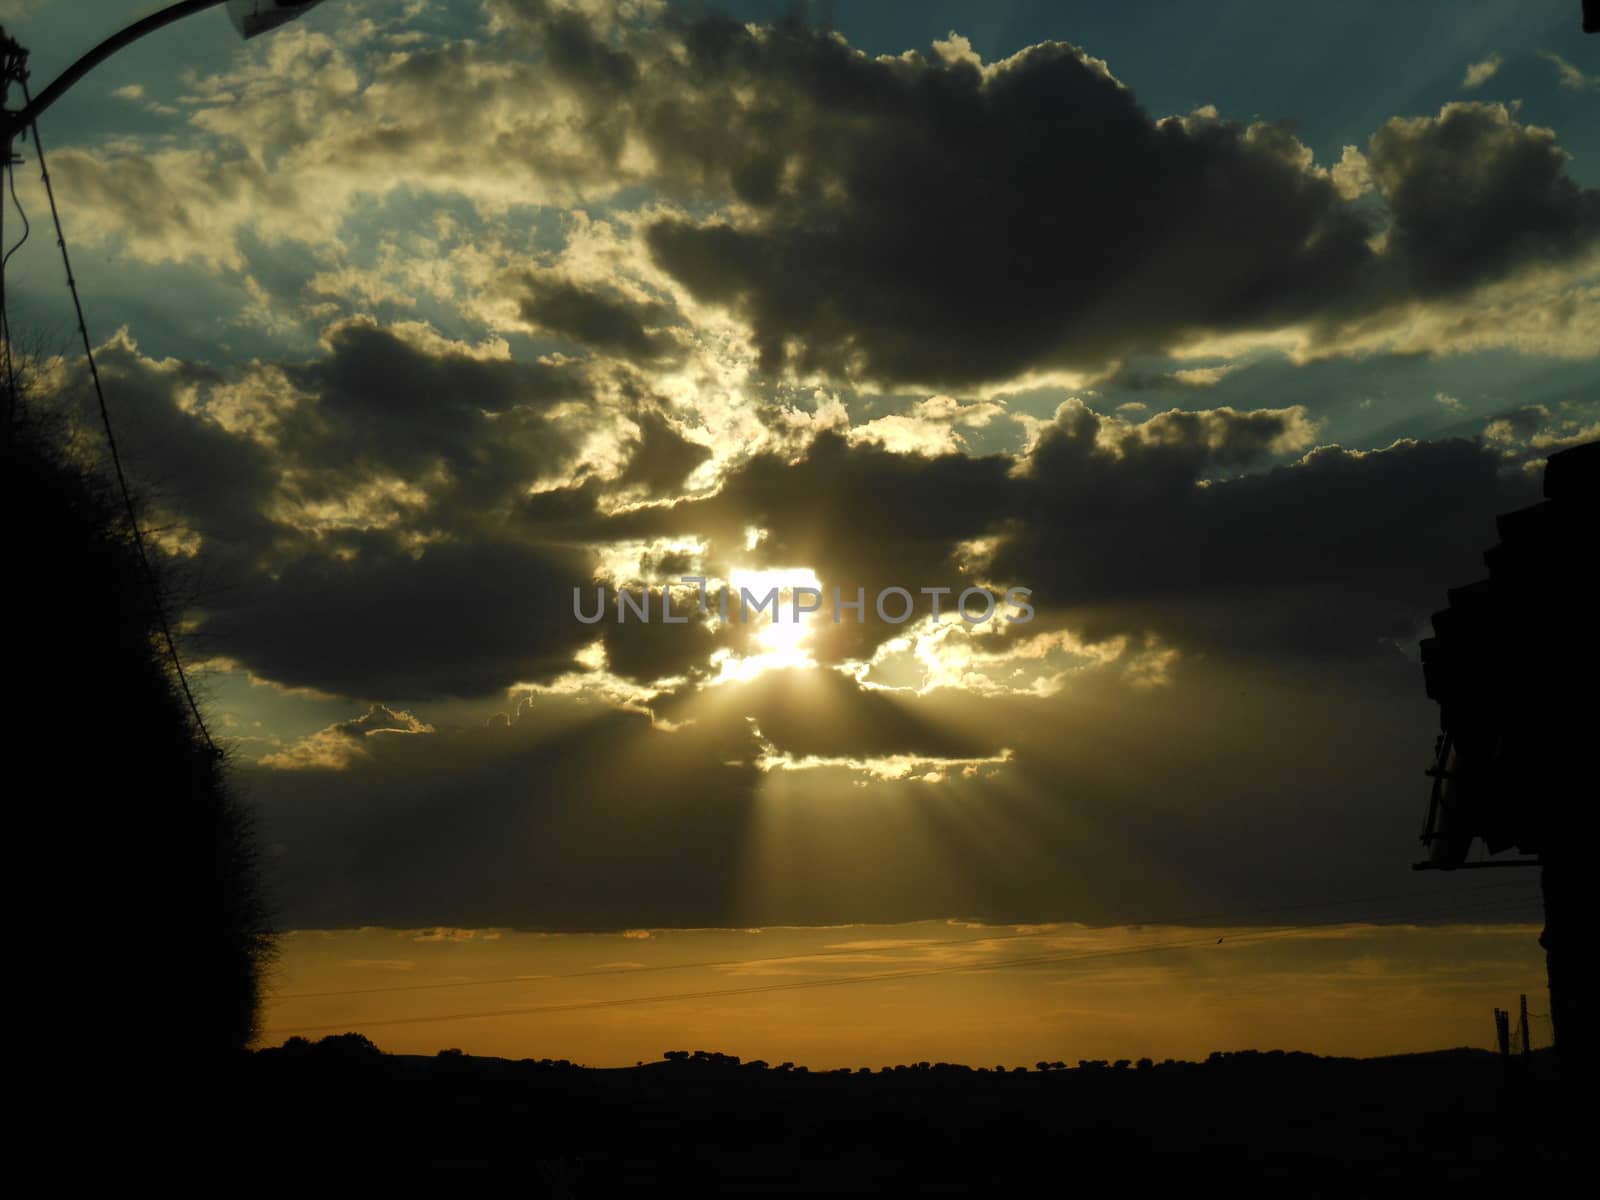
15, 124
20, 120
1570, 1017
13, 69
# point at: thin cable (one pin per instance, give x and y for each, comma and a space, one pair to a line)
111, 441
27, 227
795, 985
13, 69
5, 318
11, 371
1192, 919
818, 954
5, 310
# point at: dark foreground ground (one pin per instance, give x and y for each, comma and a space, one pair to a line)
338, 1117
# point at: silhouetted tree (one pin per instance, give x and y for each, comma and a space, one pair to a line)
136, 931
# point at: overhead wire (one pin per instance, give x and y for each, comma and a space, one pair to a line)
840, 980
1192, 919
12, 69
27, 226
5, 306
111, 442
790, 985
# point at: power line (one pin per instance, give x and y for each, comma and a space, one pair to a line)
27, 226
805, 984
111, 440
13, 68
793, 985
741, 962
5, 307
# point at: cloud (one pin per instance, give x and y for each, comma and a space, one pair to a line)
1516, 426
611, 294
1531, 433
369, 531
871, 240
1571, 77
881, 245
1179, 380
1547, 311
1212, 530
350, 509
905, 767
932, 427
1336, 553
337, 746
1474, 196
604, 318
922, 219
1480, 72
449, 619
305, 129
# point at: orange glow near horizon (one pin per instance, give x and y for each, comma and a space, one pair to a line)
852, 996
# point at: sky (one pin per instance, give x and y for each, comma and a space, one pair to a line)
1215, 334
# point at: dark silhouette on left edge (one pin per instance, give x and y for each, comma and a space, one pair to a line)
136, 930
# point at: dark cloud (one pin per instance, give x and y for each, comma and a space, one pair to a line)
578, 55
1118, 528
663, 459
370, 527
602, 318
917, 219
1327, 555
649, 651
418, 593
1170, 526
952, 227
190, 467
859, 516
385, 404
1473, 195
451, 619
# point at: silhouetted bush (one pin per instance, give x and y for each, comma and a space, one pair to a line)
136, 931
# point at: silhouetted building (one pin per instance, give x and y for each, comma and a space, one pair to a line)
1514, 665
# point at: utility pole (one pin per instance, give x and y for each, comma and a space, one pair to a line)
1502, 1031
250, 18
1527, 1042
17, 122
13, 72
1505, 657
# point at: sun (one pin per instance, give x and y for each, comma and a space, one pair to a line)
779, 643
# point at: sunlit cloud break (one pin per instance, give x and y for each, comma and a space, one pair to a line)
894, 605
